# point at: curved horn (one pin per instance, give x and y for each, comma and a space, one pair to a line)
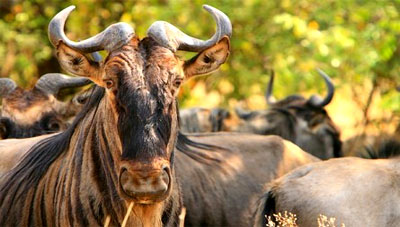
315, 100
268, 93
174, 39
7, 85
51, 83
113, 37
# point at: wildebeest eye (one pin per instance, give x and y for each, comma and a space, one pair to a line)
54, 126
51, 124
207, 59
81, 99
109, 83
177, 82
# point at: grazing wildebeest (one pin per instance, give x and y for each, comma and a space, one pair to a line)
355, 191
120, 148
28, 113
302, 121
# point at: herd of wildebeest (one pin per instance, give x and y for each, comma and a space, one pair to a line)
123, 142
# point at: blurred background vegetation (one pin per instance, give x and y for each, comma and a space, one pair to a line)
355, 41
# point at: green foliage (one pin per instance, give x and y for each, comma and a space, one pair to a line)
356, 42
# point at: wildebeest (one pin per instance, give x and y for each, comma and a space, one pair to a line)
355, 191
120, 148
314, 130
302, 121
28, 113
221, 187
195, 120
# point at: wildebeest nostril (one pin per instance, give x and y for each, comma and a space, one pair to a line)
145, 186
166, 169
165, 175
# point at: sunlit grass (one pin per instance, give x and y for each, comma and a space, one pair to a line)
288, 219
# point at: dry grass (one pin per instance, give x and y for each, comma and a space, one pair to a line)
288, 219
285, 220
323, 221
182, 216
107, 222
128, 212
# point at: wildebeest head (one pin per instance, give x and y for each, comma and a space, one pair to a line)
28, 113
141, 78
295, 118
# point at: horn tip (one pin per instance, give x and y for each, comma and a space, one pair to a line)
323, 74
320, 71
71, 7
68, 10
207, 7
57, 23
222, 16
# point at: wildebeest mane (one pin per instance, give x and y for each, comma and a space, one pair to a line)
32, 167
389, 148
193, 149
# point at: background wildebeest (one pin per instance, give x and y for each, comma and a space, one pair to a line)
28, 113
302, 121
119, 149
195, 120
367, 146
386, 148
221, 187
357, 192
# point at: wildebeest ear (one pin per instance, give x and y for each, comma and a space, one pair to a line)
77, 63
209, 59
